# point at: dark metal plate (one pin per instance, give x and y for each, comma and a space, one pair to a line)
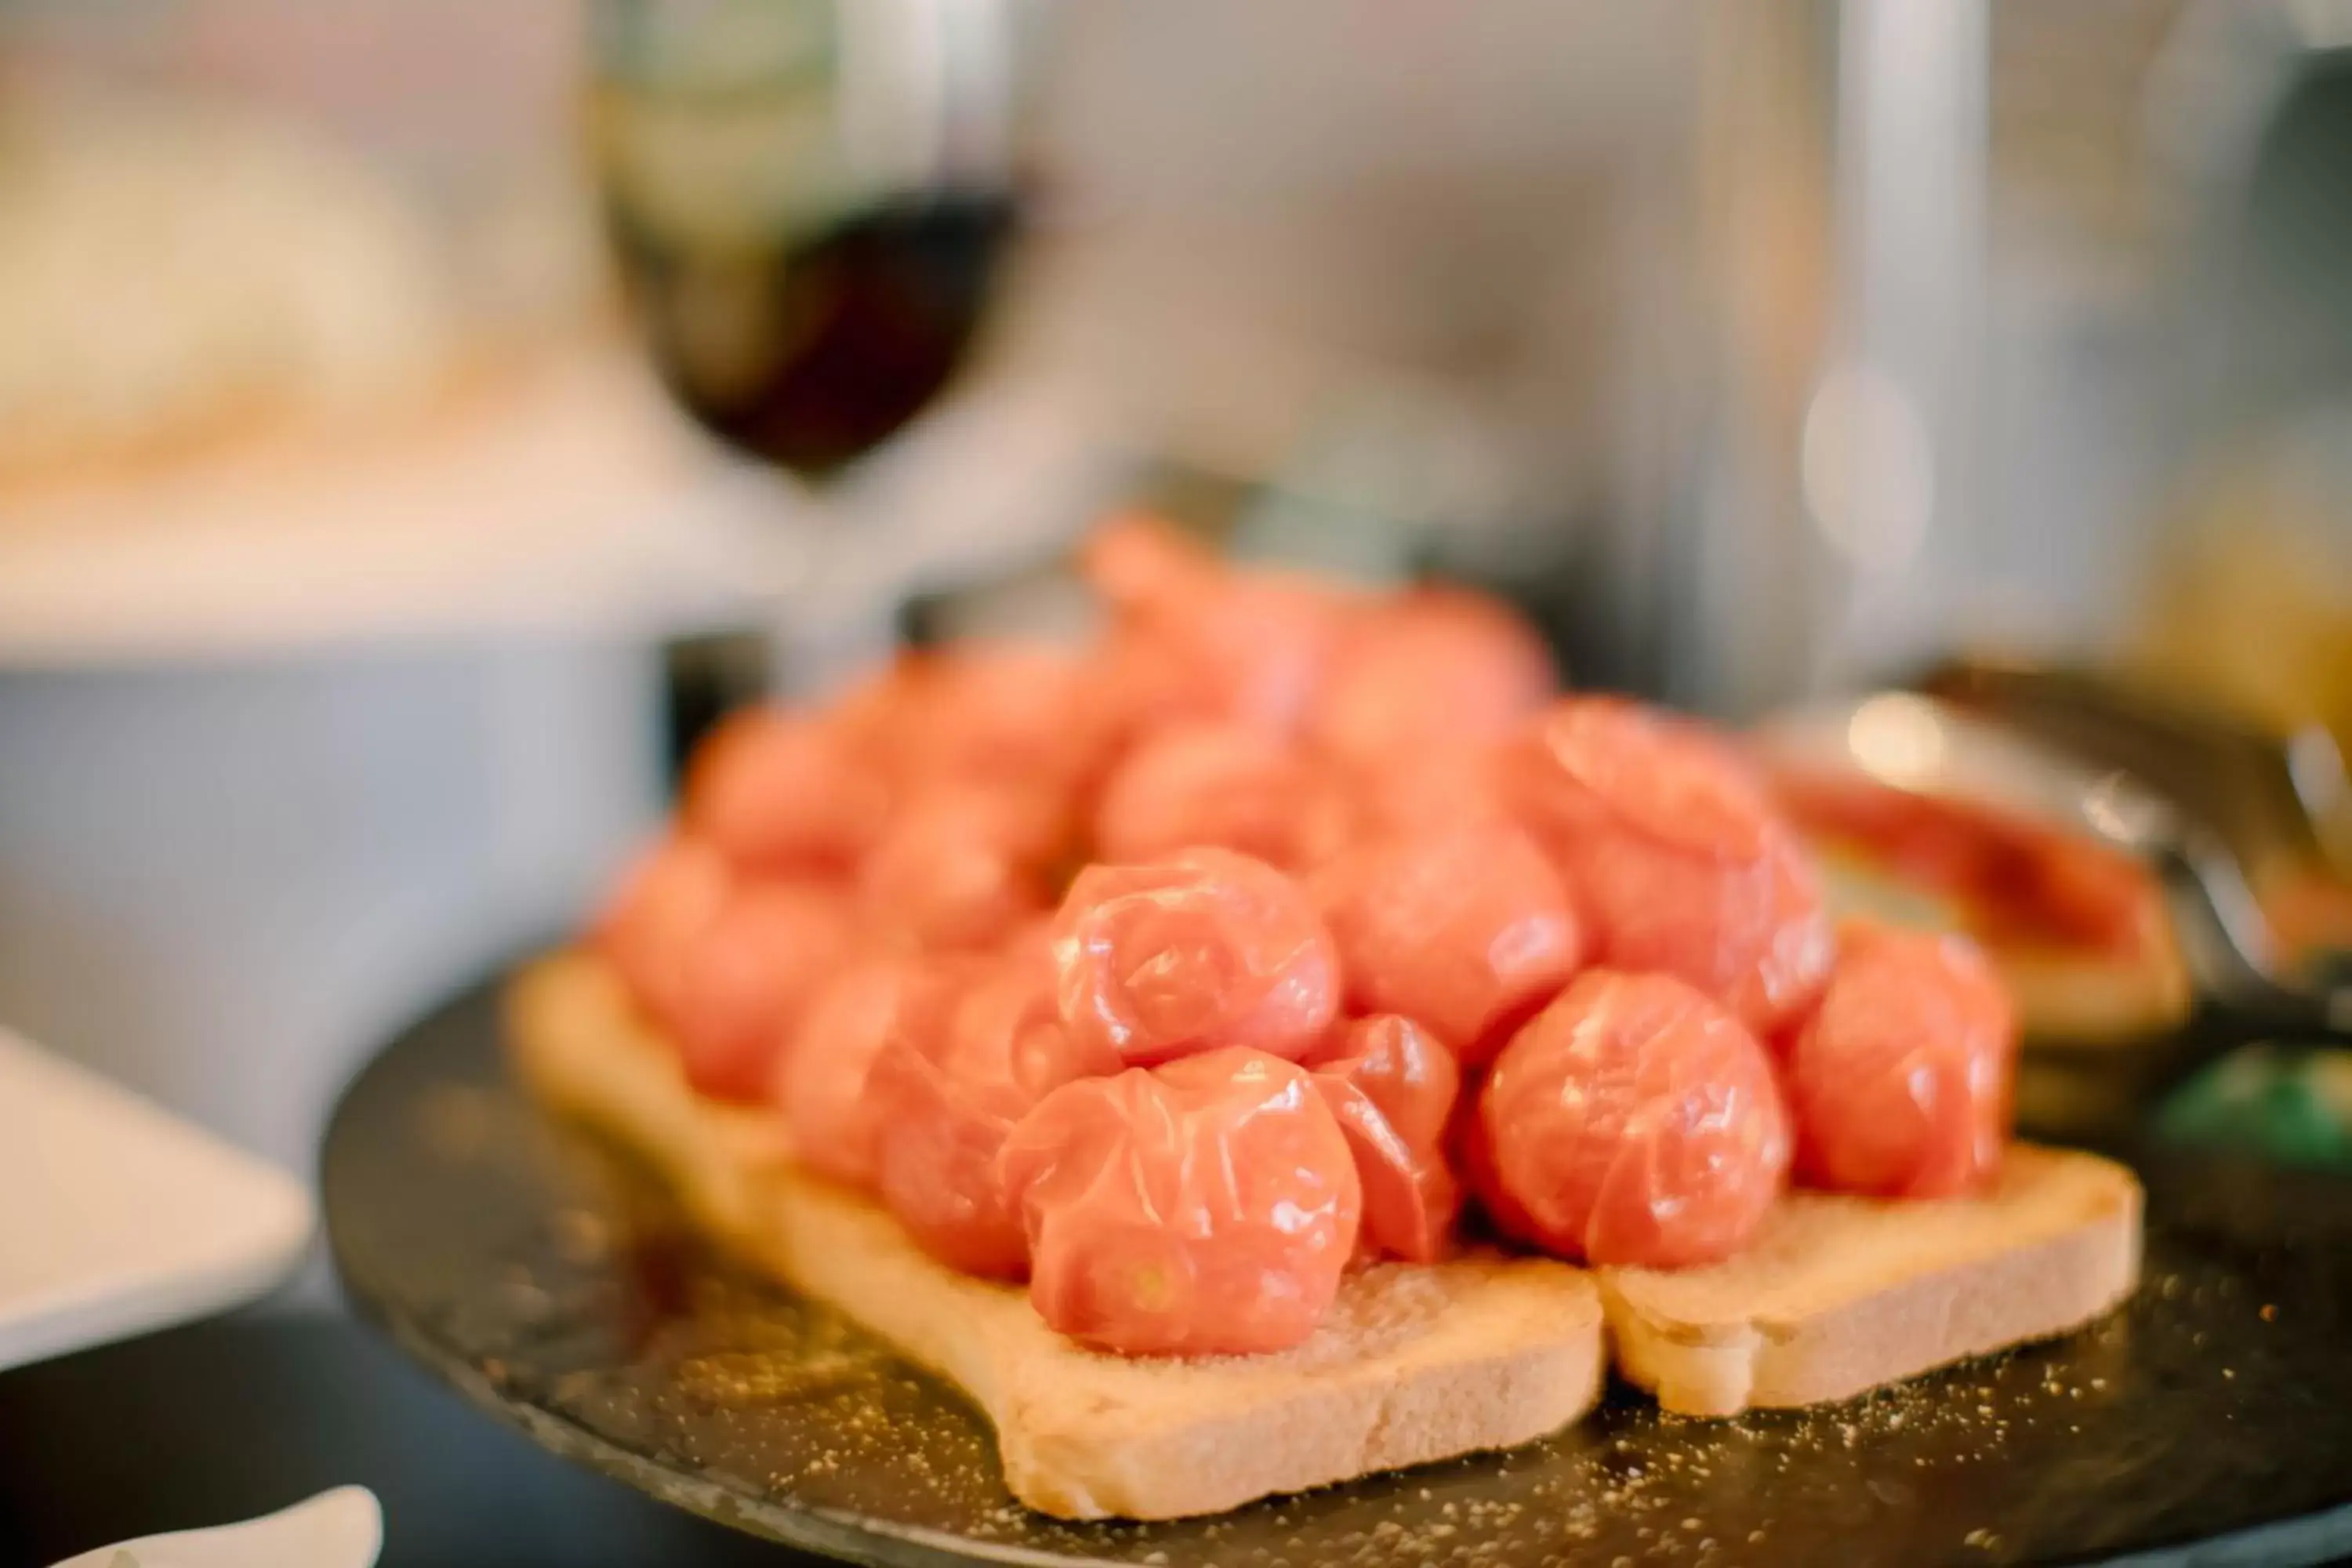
552, 1283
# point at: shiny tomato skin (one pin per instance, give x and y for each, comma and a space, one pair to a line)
1900, 1081
1633, 1121
944, 1098
1206, 1207
1465, 929
1203, 950
1673, 851
1394, 1086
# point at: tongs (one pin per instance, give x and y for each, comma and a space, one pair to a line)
1935, 747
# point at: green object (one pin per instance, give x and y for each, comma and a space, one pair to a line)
2295, 1107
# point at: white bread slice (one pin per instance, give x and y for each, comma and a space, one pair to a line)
1415, 1364
1837, 1295
2086, 999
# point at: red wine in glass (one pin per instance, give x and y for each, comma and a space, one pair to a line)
810, 202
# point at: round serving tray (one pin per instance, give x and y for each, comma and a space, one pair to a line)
553, 1284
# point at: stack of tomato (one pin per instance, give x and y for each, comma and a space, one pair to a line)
1183, 972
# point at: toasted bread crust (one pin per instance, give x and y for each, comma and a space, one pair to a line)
1838, 1295
1415, 1364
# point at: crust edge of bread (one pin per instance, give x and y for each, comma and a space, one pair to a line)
2093, 1001
2054, 1249
1420, 1365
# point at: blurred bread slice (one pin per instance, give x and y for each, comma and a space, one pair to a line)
1415, 1364
1838, 1295
2095, 999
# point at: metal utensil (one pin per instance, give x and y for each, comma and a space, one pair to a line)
1924, 745
2274, 798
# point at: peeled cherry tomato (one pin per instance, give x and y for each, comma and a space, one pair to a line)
1753, 934
1635, 1121
1222, 784
947, 1097
1248, 647
748, 976
1393, 1087
874, 713
959, 866
1207, 1207
1467, 930
781, 791
1205, 950
1900, 1081
1436, 666
1675, 856
1032, 941
819, 1080
1137, 563
991, 711
1420, 788
1263, 643
675, 889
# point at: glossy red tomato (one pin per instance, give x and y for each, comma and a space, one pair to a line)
1635, 1121
1266, 644
1465, 929
1229, 785
670, 894
1900, 1081
1435, 667
873, 712
1392, 1086
946, 1099
820, 1078
778, 791
1205, 950
1139, 564
959, 866
1137, 684
1194, 639
989, 710
1032, 942
1673, 854
747, 978
1208, 1207
1422, 788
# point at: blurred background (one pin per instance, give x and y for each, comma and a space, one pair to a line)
414, 416
417, 416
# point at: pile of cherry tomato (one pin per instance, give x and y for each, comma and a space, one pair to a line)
1260, 939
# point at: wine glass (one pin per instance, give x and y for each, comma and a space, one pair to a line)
810, 202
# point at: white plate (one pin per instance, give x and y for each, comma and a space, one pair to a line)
118, 1219
578, 502
340, 1529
